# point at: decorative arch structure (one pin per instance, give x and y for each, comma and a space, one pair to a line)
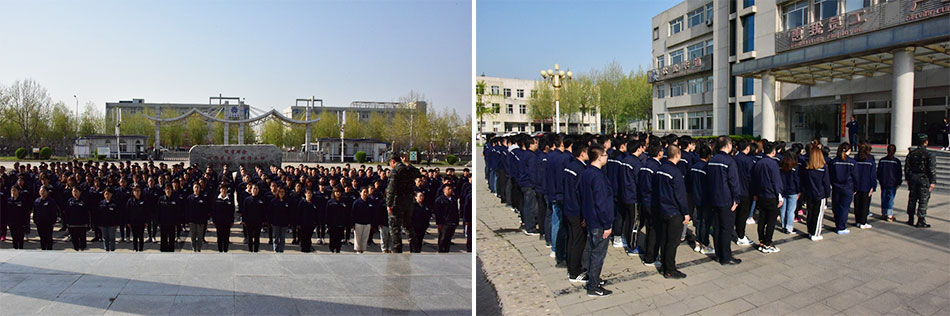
158, 121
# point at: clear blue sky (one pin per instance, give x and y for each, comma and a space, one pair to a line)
518, 39
269, 52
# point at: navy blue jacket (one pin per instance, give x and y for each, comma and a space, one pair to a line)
553, 170
501, 160
572, 172
792, 181
420, 216
524, 158
722, 181
816, 183
45, 211
645, 181
446, 210
363, 211
281, 212
76, 213
766, 180
612, 169
669, 191
866, 180
852, 129
136, 211
597, 199
537, 172
628, 176
889, 172
843, 174
744, 164
696, 183
109, 213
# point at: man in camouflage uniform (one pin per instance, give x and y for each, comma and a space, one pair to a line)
399, 200
921, 176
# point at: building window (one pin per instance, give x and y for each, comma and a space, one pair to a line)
696, 120
748, 3
732, 37
709, 119
695, 85
495, 90
495, 126
511, 109
660, 62
661, 122
748, 33
795, 15
496, 108
676, 57
709, 83
480, 90
656, 33
660, 91
676, 89
523, 109
676, 25
697, 17
676, 121
825, 9
521, 93
709, 48
507, 93
748, 85
695, 50
709, 11
732, 86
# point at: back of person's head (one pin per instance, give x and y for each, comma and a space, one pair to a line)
864, 151
816, 159
891, 149
703, 151
843, 149
673, 152
722, 142
578, 148
595, 151
654, 150
634, 144
768, 147
741, 145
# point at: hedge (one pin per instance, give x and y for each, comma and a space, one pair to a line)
360, 157
46, 153
451, 159
734, 137
20, 153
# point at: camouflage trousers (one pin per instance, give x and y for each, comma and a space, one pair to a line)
917, 200
399, 220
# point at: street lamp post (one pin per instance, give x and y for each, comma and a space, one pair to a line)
77, 115
556, 77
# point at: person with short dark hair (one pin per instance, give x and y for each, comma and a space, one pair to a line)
336, 219
672, 210
890, 176
766, 189
421, 216
18, 215
596, 203
576, 236
253, 210
723, 197
865, 185
109, 219
45, 211
921, 175
77, 218
222, 215
446, 213
136, 214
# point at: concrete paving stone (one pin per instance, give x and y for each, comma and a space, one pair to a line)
313, 285
767, 296
817, 309
450, 304
686, 306
207, 285
155, 285
203, 305
97, 285
9, 280
387, 305
366, 286
44, 284
807, 296
141, 305
264, 305
772, 308
729, 293
576, 309
260, 285
27, 304
732, 307
844, 300
324, 305
77, 304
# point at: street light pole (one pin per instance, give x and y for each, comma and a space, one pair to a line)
77, 115
556, 77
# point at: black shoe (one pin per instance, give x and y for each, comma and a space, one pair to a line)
560, 264
922, 224
599, 292
530, 232
910, 221
674, 275
731, 262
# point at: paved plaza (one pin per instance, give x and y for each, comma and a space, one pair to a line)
64, 282
892, 268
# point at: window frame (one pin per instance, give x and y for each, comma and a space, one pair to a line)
677, 25
507, 92
520, 93
801, 6
661, 122
696, 17
677, 119
677, 86
510, 109
748, 33
495, 90
678, 52
695, 47
522, 109
819, 9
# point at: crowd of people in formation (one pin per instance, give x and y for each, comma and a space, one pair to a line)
173, 204
581, 193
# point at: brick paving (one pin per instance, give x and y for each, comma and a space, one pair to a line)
892, 268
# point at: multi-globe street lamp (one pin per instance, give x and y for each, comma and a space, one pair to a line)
556, 77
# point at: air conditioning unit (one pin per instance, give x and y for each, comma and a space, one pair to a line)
709, 22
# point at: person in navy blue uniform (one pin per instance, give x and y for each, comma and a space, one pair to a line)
446, 217
816, 187
538, 181
843, 180
279, 215
77, 218
222, 215
628, 195
743, 165
612, 170
421, 216
889, 176
853, 128
696, 185
18, 215
526, 158
722, 181
110, 216
337, 210
865, 185
672, 210
790, 168
136, 214
576, 237
554, 168
363, 211
45, 211
596, 204
168, 218
465, 207
197, 212
647, 211
253, 210
767, 188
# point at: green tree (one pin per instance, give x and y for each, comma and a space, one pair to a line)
172, 133
541, 103
377, 127
93, 121
481, 107
197, 130
26, 105
328, 126
62, 126
273, 133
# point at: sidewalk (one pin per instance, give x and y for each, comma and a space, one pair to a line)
891, 268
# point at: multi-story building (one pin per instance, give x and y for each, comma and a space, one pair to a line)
362, 108
794, 70
232, 107
509, 97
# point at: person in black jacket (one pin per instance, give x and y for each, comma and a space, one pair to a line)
363, 211
44, 215
336, 219
18, 213
136, 214
77, 218
446, 216
671, 209
766, 189
421, 214
109, 218
279, 216
197, 217
168, 218
152, 194
308, 211
466, 210
253, 210
380, 217
222, 214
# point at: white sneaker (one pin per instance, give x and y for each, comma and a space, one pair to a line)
698, 248
744, 241
552, 254
709, 251
844, 232
618, 243
774, 249
816, 238
865, 226
750, 221
653, 264
580, 278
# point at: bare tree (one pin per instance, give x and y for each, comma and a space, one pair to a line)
26, 105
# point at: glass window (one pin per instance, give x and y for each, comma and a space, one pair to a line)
695, 50
507, 93
732, 86
851, 5
521, 93
511, 109
495, 90
709, 83
660, 62
709, 120
523, 109
696, 120
825, 9
697, 17
934, 101
709, 11
709, 48
748, 85
748, 33
660, 91
656, 33
795, 14
676, 57
676, 89
676, 25
676, 121
495, 126
661, 122
732, 37
748, 3
496, 107
695, 85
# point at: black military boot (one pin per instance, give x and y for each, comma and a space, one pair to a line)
910, 220
922, 223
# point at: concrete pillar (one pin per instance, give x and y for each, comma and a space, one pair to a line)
227, 128
768, 106
306, 143
240, 134
158, 134
902, 99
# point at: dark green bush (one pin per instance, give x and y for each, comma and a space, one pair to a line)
360, 157
20, 153
46, 153
452, 159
